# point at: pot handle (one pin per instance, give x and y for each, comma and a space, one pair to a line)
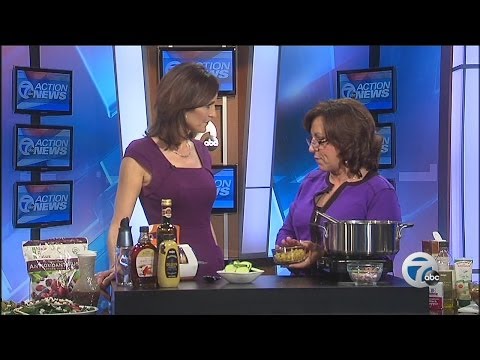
323, 228
325, 216
401, 227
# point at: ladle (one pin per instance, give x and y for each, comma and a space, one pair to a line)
328, 217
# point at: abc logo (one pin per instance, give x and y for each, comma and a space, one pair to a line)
212, 142
432, 278
25, 89
349, 91
26, 204
26, 146
420, 270
209, 137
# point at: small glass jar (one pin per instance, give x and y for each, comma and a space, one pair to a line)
443, 260
86, 290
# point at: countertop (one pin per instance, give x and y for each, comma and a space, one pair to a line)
272, 294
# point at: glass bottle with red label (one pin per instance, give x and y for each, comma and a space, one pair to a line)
144, 262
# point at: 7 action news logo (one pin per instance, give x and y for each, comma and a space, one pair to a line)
28, 147
220, 68
366, 90
420, 270
45, 90
50, 202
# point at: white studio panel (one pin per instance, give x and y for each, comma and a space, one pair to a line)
261, 127
473, 56
458, 55
456, 208
132, 109
471, 165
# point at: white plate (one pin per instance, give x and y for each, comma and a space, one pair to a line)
240, 278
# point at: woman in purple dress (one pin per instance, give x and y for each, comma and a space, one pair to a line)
346, 147
170, 163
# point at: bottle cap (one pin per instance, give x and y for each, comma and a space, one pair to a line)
87, 253
124, 238
166, 202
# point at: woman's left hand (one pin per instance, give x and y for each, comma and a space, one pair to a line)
104, 279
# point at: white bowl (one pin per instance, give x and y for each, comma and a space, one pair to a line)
240, 278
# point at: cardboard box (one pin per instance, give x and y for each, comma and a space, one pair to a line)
433, 247
435, 297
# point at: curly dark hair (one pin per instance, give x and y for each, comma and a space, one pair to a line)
186, 87
350, 127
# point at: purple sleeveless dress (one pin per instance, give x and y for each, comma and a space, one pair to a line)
192, 191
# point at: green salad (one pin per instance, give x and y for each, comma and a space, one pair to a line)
45, 306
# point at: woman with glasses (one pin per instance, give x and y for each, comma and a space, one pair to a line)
346, 186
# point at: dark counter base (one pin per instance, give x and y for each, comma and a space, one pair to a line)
271, 294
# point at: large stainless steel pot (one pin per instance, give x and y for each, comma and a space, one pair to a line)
360, 237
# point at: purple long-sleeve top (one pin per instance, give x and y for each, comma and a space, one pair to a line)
372, 198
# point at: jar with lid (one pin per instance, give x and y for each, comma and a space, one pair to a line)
86, 290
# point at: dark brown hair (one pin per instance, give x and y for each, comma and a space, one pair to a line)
186, 87
350, 127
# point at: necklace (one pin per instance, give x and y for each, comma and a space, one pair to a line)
343, 179
186, 155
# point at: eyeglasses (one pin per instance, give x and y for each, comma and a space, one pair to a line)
315, 143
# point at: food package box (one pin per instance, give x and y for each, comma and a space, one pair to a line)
463, 269
435, 297
52, 265
463, 275
433, 247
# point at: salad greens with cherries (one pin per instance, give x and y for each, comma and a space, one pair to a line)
45, 306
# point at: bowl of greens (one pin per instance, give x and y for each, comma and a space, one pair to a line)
47, 306
240, 272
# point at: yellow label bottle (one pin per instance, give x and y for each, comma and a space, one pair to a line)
168, 265
168, 270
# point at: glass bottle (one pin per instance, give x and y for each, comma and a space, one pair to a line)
144, 262
168, 271
86, 290
166, 228
443, 258
122, 253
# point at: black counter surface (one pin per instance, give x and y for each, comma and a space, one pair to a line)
272, 294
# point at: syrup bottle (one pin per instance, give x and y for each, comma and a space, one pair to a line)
144, 262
